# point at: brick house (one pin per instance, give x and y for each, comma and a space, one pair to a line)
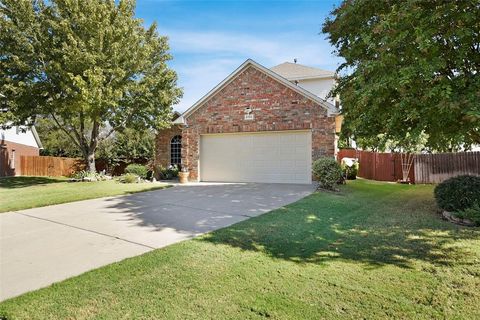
257, 125
15, 142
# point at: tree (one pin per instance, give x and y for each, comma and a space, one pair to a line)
128, 146
411, 69
90, 66
55, 142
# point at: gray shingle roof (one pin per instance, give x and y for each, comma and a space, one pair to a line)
295, 71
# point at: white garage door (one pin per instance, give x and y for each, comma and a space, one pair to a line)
279, 157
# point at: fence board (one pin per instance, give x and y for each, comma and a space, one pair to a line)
427, 168
435, 168
48, 166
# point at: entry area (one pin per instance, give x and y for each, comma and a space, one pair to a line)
270, 157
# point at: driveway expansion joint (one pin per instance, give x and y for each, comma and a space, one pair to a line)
86, 230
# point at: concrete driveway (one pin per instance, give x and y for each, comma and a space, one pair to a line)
44, 245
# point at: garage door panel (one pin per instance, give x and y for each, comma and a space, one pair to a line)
282, 157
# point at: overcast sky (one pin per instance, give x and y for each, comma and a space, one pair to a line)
210, 39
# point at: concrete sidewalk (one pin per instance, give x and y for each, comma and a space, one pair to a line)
44, 245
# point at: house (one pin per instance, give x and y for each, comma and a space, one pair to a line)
317, 81
257, 125
17, 141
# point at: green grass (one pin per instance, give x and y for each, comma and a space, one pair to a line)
374, 251
17, 193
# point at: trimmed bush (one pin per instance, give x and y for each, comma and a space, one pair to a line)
458, 193
129, 178
472, 213
167, 173
138, 169
328, 172
350, 172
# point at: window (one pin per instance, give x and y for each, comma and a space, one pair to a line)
176, 150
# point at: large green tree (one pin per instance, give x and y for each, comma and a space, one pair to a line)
54, 141
89, 65
411, 70
125, 146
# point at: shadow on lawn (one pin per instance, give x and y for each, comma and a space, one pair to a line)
22, 182
374, 236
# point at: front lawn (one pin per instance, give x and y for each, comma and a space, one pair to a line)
375, 251
18, 193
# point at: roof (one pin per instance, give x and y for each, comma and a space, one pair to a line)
295, 71
249, 62
37, 137
25, 135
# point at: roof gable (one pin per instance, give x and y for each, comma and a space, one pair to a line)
328, 106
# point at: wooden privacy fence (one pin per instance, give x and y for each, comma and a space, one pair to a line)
435, 168
377, 166
48, 166
427, 168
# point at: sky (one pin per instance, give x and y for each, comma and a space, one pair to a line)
210, 39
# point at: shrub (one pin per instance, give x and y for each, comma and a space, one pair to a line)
350, 172
328, 172
149, 174
458, 193
84, 175
129, 178
167, 173
137, 169
472, 213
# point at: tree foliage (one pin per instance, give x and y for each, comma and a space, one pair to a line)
126, 146
90, 66
411, 71
55, 142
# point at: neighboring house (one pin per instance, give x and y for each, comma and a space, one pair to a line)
257, 125
15, 142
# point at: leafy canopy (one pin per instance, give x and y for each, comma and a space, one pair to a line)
411, 71
129, 145
91, 66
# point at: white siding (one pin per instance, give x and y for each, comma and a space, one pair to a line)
17, 136
319, 87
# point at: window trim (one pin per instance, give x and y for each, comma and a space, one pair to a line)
176, 150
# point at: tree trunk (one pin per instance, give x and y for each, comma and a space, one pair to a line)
92, 146
90, 161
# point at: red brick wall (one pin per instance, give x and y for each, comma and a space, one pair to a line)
162, 145
6, 156
275, 107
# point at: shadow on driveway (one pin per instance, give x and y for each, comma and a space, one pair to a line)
202, 208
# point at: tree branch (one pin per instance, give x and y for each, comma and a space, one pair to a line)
108, 134
77, 143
